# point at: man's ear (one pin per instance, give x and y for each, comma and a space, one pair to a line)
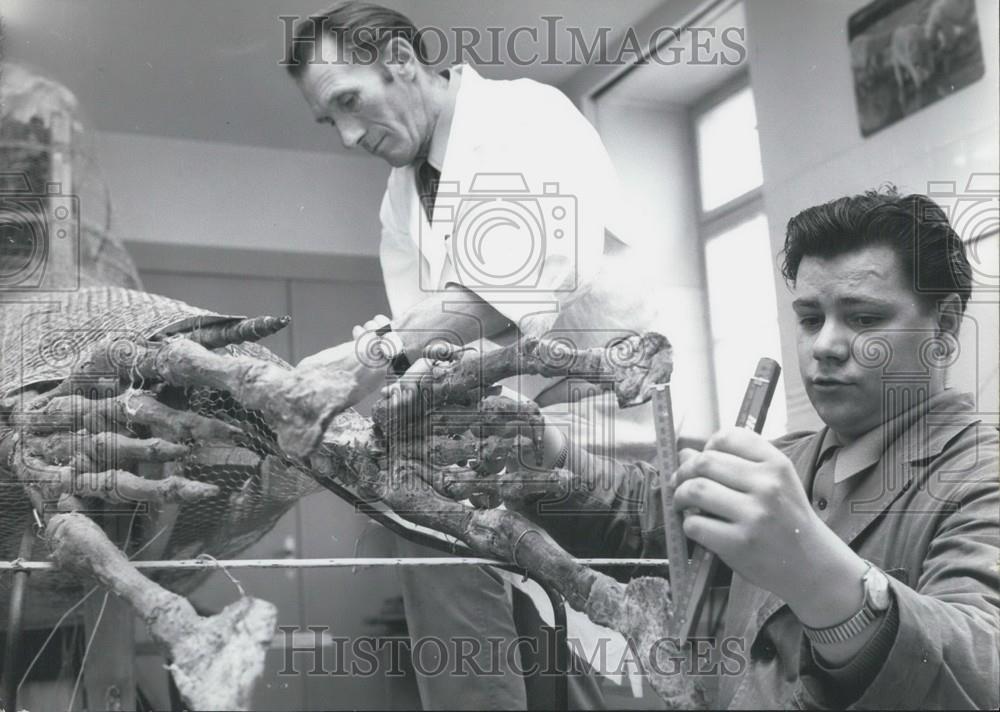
399, 58
949, 315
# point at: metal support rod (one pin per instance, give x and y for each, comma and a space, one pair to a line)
20, 566
560, 647
15, 621
558, 608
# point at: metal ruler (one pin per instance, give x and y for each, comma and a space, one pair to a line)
667, 463
689, 583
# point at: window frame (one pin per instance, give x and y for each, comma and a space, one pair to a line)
722, 218
746, 203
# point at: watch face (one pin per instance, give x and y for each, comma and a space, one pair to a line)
877, 588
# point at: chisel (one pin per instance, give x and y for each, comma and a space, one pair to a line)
703, 564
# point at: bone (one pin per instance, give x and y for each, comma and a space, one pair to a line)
631, 367
143, 408
640, 611
494, 415
71, 413
215, 661
302, 406
297, 404
489, 453
103, 450
110, 485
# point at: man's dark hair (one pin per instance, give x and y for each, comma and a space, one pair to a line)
930, 253
362, 27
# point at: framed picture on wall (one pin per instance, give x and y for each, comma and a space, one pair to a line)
906, 54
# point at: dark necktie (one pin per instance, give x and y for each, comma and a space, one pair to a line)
427, 185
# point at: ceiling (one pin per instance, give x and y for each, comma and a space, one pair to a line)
209, 69
669, 82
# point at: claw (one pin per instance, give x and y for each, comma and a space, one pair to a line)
217, 335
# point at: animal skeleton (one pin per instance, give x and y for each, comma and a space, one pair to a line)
171, 384
459, 441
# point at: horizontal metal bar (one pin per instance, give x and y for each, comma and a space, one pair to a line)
208, 563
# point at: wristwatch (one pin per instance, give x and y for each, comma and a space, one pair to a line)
399, 363
876, 591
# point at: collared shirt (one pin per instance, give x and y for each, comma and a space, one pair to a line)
578, 285
438, 148
855, 456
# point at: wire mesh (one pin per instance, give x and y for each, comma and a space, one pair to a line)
58, 297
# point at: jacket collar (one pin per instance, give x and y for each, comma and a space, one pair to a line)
945, 413
914, 442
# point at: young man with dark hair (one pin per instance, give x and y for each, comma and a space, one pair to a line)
865, 554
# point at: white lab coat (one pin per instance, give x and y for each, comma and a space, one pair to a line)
507, 136
518, 152
503, 131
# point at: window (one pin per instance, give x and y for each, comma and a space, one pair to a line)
739, 267
728, 150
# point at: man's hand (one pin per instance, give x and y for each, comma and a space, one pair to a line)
405, 390
364, 358
752, 511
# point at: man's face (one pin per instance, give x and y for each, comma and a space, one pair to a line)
373, 105
843, 305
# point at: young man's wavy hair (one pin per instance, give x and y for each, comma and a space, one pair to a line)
358, 27
931, 254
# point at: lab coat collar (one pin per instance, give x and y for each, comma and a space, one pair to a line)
438, 148
469, 121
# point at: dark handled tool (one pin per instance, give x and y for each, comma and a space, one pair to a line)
701, 570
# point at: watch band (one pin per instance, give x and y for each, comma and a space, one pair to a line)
853, 625
399, 363
842, 631
560, 461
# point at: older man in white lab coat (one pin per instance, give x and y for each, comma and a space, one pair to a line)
496, 223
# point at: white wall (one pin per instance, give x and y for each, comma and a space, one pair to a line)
582, 83
652, 151
813, 151
183, 192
